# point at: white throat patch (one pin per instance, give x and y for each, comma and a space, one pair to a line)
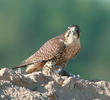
69, 39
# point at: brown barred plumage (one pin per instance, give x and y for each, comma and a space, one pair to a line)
58, 50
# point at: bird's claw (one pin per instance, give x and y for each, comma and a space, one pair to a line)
65, 73
75, 76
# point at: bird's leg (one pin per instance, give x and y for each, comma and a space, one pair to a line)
60, 71
48, 68
64, 73
57, 69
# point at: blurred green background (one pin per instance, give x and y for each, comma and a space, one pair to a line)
26, 24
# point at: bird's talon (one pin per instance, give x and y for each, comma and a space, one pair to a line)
76, 76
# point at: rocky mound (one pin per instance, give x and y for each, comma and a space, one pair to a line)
38, 86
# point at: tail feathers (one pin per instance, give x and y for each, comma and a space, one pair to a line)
18, 67
24, 64
31, 67
34, 67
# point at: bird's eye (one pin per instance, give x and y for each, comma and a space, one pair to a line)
68, 34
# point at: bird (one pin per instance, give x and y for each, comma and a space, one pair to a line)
57, 51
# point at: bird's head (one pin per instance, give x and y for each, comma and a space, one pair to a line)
72, 33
